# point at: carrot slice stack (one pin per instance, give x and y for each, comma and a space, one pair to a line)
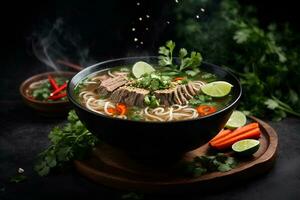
226, 138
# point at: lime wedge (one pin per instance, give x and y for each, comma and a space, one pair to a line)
140, 68
217, 88
236, 120
246, 147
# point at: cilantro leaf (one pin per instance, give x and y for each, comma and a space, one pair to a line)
72, 141
271, 104
203, 164
166, 54
18, 178
191, 62
166, 57
201, 100
266, 58
182, 53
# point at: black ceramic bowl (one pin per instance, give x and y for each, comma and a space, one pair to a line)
154, 138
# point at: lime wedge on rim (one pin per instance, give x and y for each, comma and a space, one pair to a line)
140, 68
217, 88
246, 147
236, 120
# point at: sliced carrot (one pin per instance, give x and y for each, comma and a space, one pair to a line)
254, 133
235, 133
121, 109
205, 110
111, 110
178, 78
221, 134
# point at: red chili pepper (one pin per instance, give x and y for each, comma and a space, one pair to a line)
59, 89
52, 82
58, 96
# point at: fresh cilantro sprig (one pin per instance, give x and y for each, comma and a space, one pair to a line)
72, 141
18, 178
204, 164
166, 57
201, 99
166, 54
266, 58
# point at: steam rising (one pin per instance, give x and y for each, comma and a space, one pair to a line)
59, 44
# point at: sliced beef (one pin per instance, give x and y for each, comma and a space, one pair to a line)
129, 95
179, 94
164, 96
109, 85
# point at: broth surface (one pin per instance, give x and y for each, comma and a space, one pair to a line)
163, 95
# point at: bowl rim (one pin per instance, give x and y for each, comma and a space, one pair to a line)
73, 100
29, 80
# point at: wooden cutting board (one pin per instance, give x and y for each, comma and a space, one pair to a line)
112, 167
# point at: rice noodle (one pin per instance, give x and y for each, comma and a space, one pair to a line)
37, 84
152, 116
92, 100
111, 74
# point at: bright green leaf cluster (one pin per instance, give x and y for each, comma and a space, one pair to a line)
166, 54
43, 92
151, 101
166, 58
153, 81
201, 99
72, 141
266, 59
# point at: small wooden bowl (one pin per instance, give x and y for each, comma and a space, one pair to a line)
59, 108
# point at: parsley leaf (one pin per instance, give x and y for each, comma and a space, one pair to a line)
18, 178
166, 57
266, 58
191, 62
203, 164
201, 100
72, 141
166, 54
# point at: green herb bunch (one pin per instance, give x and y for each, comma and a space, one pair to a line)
153, 81
166, 57
201, 99
204, 164
72, 141
266, 59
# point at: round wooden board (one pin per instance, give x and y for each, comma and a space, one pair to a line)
111, 167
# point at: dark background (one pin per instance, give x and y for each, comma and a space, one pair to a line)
104, 27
